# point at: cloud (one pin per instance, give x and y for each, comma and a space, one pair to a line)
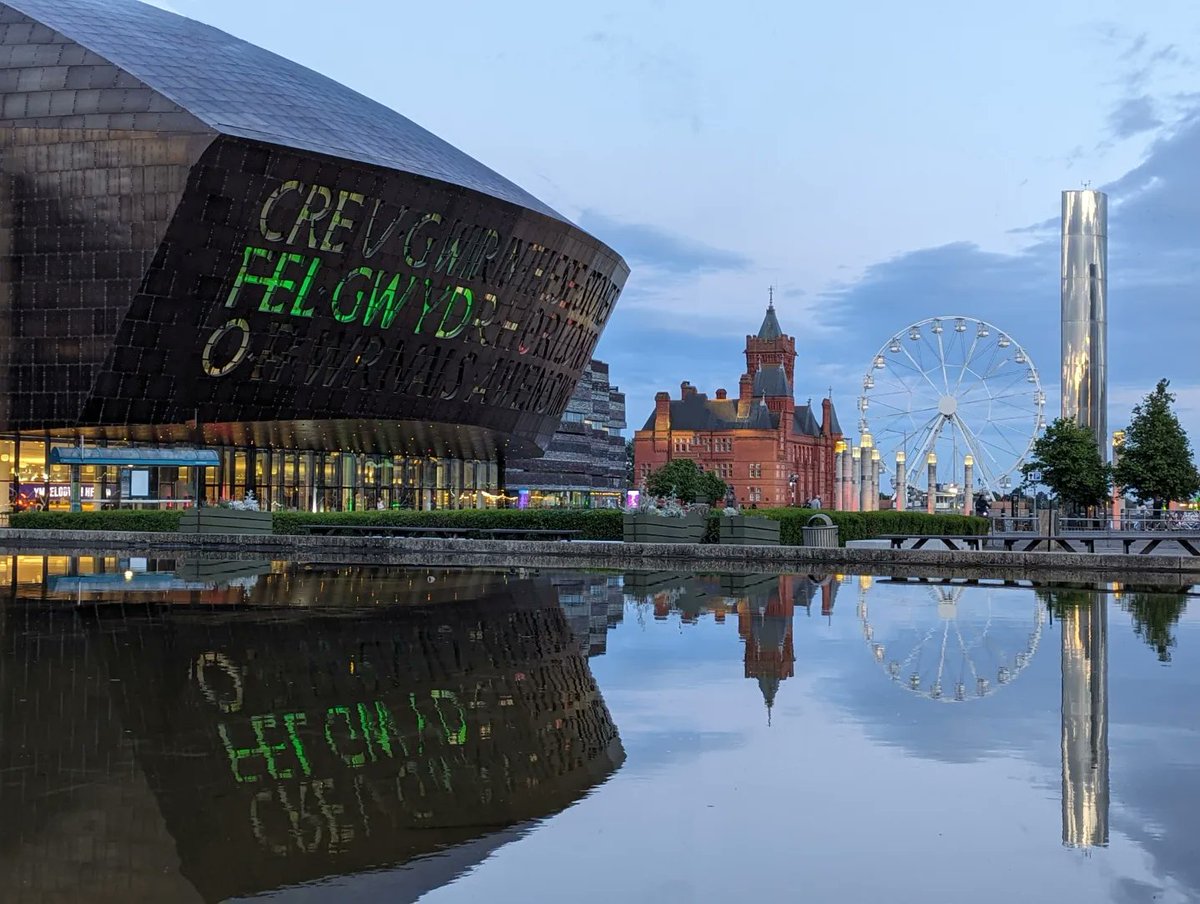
1133, 116
646, 245
1154, 283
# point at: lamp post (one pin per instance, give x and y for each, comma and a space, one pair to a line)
968, 496
855, 478
864, 484
931, 496
839, 452
901, 482
1118, 493
876, 467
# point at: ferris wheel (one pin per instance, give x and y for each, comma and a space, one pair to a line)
948, 642
946, 388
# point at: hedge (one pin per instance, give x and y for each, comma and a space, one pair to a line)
593, 524
157, 520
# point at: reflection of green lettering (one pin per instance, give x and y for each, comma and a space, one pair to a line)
298, 308
385, 304
341, 315
412, 702
457, 736
265, 750
379, 729
357, 759
245, 277
291, 720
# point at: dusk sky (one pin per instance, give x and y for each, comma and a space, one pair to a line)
877, 163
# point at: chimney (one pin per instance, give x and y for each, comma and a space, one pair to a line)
662, 412
686, 389
745, 388
722, 394
826, 417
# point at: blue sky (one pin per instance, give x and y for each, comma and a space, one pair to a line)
878, 163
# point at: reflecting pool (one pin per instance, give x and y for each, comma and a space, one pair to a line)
202, 730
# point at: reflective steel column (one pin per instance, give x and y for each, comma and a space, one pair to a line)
1085, 311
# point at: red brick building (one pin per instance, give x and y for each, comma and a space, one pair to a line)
770, 450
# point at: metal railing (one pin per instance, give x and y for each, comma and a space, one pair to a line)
1172, 521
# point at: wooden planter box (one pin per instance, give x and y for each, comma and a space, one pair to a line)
224, 521
642, 528
742, 530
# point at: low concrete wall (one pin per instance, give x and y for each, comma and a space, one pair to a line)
614, 554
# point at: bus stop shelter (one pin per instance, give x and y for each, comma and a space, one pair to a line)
137, 460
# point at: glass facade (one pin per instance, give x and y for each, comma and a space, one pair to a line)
281, 480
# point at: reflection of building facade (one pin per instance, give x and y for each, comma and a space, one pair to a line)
593, 603
195, 753
584, 464
765, 605
204, 243
1085, 723
770, 450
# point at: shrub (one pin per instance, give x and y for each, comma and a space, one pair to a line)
593, 524
866, 525
155, 520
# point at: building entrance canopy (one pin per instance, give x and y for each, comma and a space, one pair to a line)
144, 458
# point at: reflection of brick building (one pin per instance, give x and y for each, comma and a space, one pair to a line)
765, 606
770, 450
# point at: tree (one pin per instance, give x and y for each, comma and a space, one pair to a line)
1154, 615
683, 480
1155, 462
1070, 464
629, 462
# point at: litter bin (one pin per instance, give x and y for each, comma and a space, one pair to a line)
820, 531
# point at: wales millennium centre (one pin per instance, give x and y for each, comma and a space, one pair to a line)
204, 245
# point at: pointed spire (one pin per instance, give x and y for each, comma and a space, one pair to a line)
770, 328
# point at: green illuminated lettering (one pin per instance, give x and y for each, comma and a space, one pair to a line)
268, 305
299, 309
245, 277
385, 304
343, 316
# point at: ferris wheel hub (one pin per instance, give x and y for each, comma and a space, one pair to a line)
947, 405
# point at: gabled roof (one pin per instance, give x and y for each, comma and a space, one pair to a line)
772, 381
242, 90
770, 328
804, 424
699, 412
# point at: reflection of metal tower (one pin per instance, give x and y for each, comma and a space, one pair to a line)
1085, 723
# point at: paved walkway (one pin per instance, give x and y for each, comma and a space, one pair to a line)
611, 554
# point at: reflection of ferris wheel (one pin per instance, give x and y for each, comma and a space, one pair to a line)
949, 644
950, 387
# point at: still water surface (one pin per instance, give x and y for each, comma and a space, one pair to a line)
206, 731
